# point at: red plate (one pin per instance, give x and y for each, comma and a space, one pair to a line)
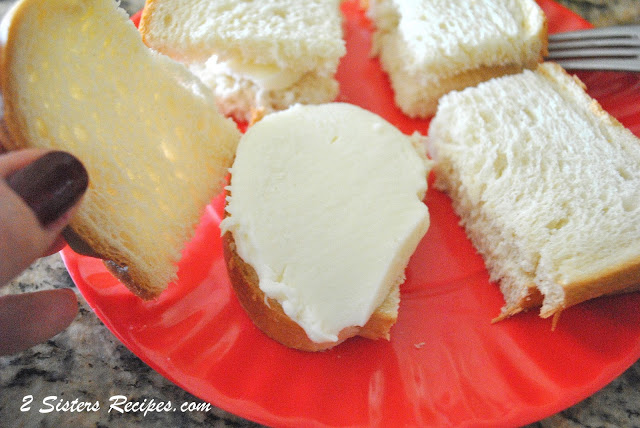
446, 363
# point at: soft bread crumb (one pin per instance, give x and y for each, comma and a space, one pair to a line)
431, 48
230, 44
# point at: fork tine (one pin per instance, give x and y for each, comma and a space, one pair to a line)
605, 64
592, 43
619, 31
602, 52
607, 48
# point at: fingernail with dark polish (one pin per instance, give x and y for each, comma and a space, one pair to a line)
51, 184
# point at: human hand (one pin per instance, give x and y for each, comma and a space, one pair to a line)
39, 192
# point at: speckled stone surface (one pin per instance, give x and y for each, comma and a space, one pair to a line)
88, 363
606, 12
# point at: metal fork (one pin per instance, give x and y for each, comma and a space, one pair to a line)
614, 48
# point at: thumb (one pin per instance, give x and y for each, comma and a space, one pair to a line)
30, 318
36, 203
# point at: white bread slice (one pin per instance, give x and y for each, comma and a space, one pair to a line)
547, 185
429, 48
255, 55
324, 211
76, 76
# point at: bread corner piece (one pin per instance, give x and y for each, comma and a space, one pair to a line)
75, 76
429, 48
547, 185
325, 208
254, 55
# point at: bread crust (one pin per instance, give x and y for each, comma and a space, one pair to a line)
121, 272
17, 138
143, 26
532, 300
268, 316
615, 280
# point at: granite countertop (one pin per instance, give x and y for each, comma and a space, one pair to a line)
87, 362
